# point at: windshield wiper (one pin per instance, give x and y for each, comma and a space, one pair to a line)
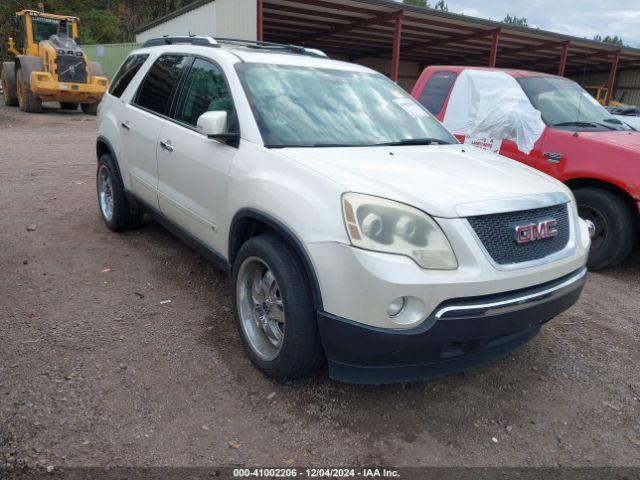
583, 124
414, 141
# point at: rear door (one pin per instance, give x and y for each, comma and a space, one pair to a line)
193, 169
142, 121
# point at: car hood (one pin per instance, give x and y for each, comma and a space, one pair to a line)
432, 178
627, 140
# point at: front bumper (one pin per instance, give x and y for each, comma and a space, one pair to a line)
459, 334
43, 85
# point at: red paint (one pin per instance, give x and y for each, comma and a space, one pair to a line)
260, 33
563, 59
494, 48
612, 157
395, 57
612, 78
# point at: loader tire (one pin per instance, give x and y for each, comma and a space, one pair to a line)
10, 95
90, 108
27, 101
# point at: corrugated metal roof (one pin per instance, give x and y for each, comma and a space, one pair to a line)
357, 29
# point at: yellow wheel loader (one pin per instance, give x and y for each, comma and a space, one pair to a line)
49, 66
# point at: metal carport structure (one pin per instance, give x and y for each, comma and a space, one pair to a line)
403, 36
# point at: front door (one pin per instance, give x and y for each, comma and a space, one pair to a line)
193, 169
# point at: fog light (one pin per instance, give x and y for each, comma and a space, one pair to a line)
396, 307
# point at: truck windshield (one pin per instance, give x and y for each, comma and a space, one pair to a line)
44, 27
298, 106
565, 104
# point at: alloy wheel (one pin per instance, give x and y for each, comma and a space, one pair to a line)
260, 308
105, 192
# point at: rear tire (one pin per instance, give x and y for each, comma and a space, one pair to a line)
90, 108
117, 213
615, 226
27, 101
68, 106
10, 96
270, 286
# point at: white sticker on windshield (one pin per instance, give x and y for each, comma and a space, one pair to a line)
410, 107
485, 143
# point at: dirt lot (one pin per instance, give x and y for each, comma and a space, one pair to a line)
96, 370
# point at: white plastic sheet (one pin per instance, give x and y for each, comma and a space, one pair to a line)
491, 105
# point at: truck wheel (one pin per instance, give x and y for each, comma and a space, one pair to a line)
274, 310
8, 87
68, 106
90, 108
615, 226
114, 206
26, 99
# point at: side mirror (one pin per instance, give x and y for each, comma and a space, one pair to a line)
214, 126
78, 40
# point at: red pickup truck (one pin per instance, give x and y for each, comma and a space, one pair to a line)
581, 144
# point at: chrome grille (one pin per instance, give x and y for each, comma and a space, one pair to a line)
497, 234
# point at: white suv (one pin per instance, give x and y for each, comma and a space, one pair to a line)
354, 226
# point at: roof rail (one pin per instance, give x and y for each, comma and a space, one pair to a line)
273, 46
175, 40
215, 42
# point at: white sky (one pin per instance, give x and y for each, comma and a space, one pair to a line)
580, 18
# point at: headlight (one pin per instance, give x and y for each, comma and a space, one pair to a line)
381, 225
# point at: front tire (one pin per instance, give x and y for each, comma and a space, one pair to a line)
27, 101
274, 310
116, 211
615, 226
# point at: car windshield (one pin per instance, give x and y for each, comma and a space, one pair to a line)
565, 104
298, 106
44, 27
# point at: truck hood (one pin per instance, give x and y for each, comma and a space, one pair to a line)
618, 139
432, 178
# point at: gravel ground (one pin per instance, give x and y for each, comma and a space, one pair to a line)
96, 369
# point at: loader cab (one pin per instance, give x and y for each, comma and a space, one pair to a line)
34, 27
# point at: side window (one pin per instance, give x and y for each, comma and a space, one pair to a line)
155, 91
436, 90
20, 40
126, 73
205, 90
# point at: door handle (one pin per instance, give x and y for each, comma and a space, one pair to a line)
166, 144
126, 125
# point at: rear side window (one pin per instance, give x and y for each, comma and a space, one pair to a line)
205, 90
156, 89
436, 90
126, 73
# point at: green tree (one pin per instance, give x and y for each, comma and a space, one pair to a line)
615, 40
441, 5
514, 20
417, 3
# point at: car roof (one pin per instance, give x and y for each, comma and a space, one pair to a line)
516, 73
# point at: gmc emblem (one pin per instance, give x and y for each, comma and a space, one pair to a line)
536, 231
